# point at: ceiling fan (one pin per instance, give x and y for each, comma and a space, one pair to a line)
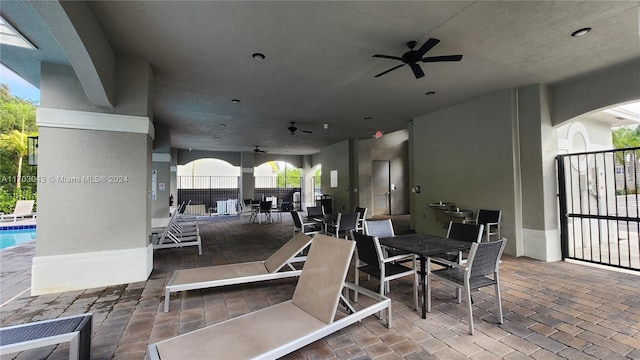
413, 57
292, 129
258, 150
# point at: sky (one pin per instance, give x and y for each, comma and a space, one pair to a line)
18, 86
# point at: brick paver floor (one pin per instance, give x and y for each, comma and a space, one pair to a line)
554, 310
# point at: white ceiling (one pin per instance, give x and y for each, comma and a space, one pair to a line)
319, 66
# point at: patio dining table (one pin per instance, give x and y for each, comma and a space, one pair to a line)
326, 220
424, 246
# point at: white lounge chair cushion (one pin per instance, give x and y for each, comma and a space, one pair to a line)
323, 274
279, 258
243, 337
219, 272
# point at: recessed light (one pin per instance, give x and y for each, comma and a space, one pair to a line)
258, 56
430, 93
223, 125
235, 101
216, 138
581, 32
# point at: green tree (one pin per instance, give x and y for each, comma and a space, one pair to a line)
16, 143
17, 122
289, 177
16, 113
625, 137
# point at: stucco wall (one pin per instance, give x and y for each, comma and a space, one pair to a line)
335, 157
115, 210
466, 155
603, 89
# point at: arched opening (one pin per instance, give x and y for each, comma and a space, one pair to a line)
599, 178
208, 186
316, 179
281, 182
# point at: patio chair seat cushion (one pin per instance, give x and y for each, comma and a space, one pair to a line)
456, 275
220, 272
243, 337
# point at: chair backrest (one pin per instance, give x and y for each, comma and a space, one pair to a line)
184, 207
23, 207
465, 232
265, 205
379, 228
315, 211
323, 275
297, 219
290, 249
369, 249
488, 216
170, 224
346, 221
484, 258
274, 201
362, 211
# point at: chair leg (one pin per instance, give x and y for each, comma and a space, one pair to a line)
499, 300
428, 285
415, 286
467, 293
356, 281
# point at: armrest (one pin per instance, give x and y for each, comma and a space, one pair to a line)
470, 221
399, 257
447, 262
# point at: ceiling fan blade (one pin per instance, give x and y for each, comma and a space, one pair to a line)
428, 45
442, 58
307, 131
417, 70
393, 68
388, 57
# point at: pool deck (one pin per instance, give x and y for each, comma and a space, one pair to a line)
9, 224
556, 310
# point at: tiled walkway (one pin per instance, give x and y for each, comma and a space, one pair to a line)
552, 310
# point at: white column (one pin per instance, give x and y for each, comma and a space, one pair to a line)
93, 200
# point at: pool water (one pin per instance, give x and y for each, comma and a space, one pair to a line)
16, 237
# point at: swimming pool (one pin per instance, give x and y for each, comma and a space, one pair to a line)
16, 236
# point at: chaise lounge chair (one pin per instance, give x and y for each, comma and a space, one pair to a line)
177, 234
279, 329
240, 273
23, 208
75, 330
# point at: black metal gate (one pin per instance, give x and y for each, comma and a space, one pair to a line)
598, 194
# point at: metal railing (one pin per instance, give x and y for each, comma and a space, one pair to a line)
207, 191
598, 198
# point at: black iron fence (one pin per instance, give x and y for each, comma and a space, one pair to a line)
205, 192
598, 195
